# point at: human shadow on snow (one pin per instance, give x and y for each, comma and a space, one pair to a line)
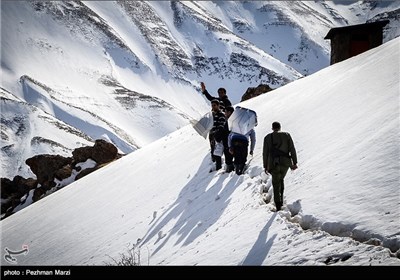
259, 252
197, 207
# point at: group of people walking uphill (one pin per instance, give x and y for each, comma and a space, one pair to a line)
279, 153
232, 145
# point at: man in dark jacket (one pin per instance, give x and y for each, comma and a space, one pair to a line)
216, 134
221, 95
279, 154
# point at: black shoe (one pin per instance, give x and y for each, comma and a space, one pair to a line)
239, 169
229, 168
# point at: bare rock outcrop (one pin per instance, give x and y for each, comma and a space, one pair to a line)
101, 152
255, 91
51, 172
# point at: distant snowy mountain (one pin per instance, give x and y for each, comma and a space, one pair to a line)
294, 31
129, 71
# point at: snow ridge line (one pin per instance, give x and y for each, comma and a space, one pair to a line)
293, 213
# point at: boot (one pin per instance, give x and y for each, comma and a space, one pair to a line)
239, 169
229, 168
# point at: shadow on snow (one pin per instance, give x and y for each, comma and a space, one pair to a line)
199, 205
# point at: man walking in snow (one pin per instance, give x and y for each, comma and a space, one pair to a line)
279, 154
221, 95
216, 134
238, 147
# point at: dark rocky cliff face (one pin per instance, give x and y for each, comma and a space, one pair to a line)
255, 91
53, 172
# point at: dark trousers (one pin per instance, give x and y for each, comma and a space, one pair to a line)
278, 173
216, 159
240, 150
228, 156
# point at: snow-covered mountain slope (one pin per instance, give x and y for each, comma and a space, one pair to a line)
22, 122
129, 71
341, 205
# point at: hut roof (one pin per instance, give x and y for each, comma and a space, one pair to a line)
351, 28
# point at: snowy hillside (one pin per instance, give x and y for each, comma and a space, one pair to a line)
129, 71
341, 205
